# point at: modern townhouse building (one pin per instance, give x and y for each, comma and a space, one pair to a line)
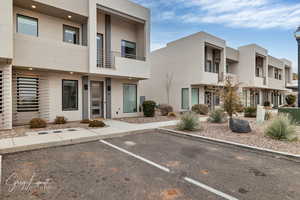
197, 66
74, 58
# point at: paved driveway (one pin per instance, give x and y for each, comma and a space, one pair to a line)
148, 166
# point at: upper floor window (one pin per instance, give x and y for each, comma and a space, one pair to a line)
99, 50
128, 49
257, 71
71, 34
27, 25
276, 73
208, 67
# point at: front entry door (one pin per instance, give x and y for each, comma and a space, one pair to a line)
96, 99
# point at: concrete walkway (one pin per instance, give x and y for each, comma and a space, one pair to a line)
114, 129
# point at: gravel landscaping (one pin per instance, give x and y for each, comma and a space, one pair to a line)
255, 138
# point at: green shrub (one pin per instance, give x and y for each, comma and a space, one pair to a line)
290, 99
201, 109
165, 109
60, 120
281, 128
293, 112
37, 123
268, 115
85, 121
250, 112
149, 108
96, 123
217, 116
172, 114
189, 122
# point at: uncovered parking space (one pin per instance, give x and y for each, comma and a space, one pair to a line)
237, 172
90, 171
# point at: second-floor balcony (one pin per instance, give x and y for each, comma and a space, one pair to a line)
276, 83
51, 54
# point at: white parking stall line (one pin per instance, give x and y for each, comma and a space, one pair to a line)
0, 170
210, 189
136, 156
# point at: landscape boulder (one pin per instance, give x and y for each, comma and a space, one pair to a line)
239, 126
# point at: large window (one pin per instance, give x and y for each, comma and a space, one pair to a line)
129, 98
128, 49
27, 94
71, 34
99, 50
27, 25
208, 66
69, 95
195, 96
185, 98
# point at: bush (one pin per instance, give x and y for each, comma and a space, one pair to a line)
201, 109
281, 128
268, 115
37, 123
149, 108
250, 112
290, 99
293, 112
60, 120
217, 116
85, 121
96, 123
189, 122
172, 114
267, 104
165, 109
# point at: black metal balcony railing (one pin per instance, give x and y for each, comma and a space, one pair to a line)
108, 61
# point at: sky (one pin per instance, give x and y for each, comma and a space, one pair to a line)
268, 23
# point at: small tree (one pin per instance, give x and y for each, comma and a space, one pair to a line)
230, 97
290, 99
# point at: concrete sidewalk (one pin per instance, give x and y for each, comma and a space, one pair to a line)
114, 129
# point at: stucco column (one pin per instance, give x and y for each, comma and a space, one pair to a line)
92, 33
298, 40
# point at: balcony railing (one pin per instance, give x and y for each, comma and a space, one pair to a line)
108, 61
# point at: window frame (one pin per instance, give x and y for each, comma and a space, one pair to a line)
65, 26
208, 68
102, 62
198, 92
28, 17
136, 96
123, 53
62, 96
182, 107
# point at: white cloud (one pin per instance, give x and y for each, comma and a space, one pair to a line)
260, 14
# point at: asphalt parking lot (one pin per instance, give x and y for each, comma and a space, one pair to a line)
146, 166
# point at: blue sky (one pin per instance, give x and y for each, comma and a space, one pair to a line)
268, 23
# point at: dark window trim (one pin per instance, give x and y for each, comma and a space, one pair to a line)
136, 103
124, 46
73, 27
34, 18
102, 64
62, 96
182, 98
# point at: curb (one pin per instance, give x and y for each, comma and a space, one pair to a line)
67, 142
277, 154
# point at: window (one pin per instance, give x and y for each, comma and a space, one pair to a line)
27, 25
1, 92
208, 67
128, 49
69, 95
195, 96
99, 50
276, 73
216, 67
185, 98
130, 98
257, 71
27, 94
71, 34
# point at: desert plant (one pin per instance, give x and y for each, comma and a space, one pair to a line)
37, 123
267, 104
201, 109
172, 114
165, 109
281, 128
217, 116
189, 122
149, 108
60, 120
85, 121
230, 97
96, 123
250, 112
268, 115
290, 99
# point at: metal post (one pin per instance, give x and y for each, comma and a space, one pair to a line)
298, 40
